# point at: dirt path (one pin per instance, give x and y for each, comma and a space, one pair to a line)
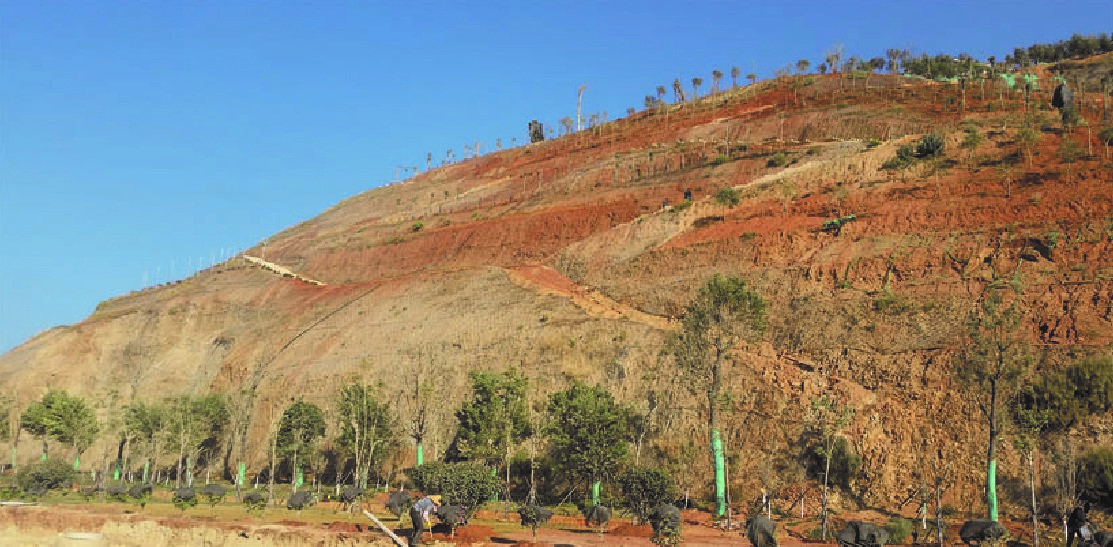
549, 281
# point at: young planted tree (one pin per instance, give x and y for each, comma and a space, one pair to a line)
588, 433
301, 425
678, 91
723, 314
494, 420
752, 77
146, 422
65, 418
993, 356
1028, 425
716, 78
802, 66
696, 82
661, 92
367, 428
734, 73
826, 421
195, 424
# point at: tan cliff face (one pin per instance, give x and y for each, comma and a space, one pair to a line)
561, 259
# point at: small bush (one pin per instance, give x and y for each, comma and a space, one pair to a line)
418, 226
727, 196
844, 463
1095, 476
184, 498
905, 156
45, 475
645, 488
719, 160
255, 501
465, 483
214, 494
930, 146
873, 143
899, 529
778, 160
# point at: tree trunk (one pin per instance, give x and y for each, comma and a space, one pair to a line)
270, 478
294, 477
939, 509
826, 473
1032, 501
716, 439
991, 457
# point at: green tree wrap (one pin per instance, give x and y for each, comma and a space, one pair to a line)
991, 489
146, 470
420, 455
77, 463
299, 478
595, 492
116, 471
720, 473
239, 475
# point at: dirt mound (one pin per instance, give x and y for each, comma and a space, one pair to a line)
633, 530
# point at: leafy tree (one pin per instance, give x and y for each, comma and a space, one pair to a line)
587, 433
661, 92
467, 483
727, 196
147, 422
970, 143
62, 417
994, 354
802, 66
367, 428
724, 313
301, 425
195, 425
837, 465
1027, 138
752, 78
734, 73
826, 421
645, 488
1106, 137
716, 78
495, 419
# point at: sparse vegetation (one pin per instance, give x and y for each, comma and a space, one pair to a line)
727, 196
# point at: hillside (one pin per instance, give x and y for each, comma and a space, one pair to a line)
562, 259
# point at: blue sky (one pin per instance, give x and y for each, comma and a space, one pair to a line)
141, 139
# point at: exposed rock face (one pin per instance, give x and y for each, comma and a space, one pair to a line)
559, 259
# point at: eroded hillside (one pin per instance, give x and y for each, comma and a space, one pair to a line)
573, 259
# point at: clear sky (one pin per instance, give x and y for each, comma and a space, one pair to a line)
140, 140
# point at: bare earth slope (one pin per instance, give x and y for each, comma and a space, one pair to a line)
562, 259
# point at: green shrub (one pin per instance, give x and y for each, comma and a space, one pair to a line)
873, 143
644, 488
1095, 476
1074, 393
255, 502
719, 160
45, 475
906, 154
467, 483
727, 196
930, 146
185, 498
778, 160
418, 226
899, 529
